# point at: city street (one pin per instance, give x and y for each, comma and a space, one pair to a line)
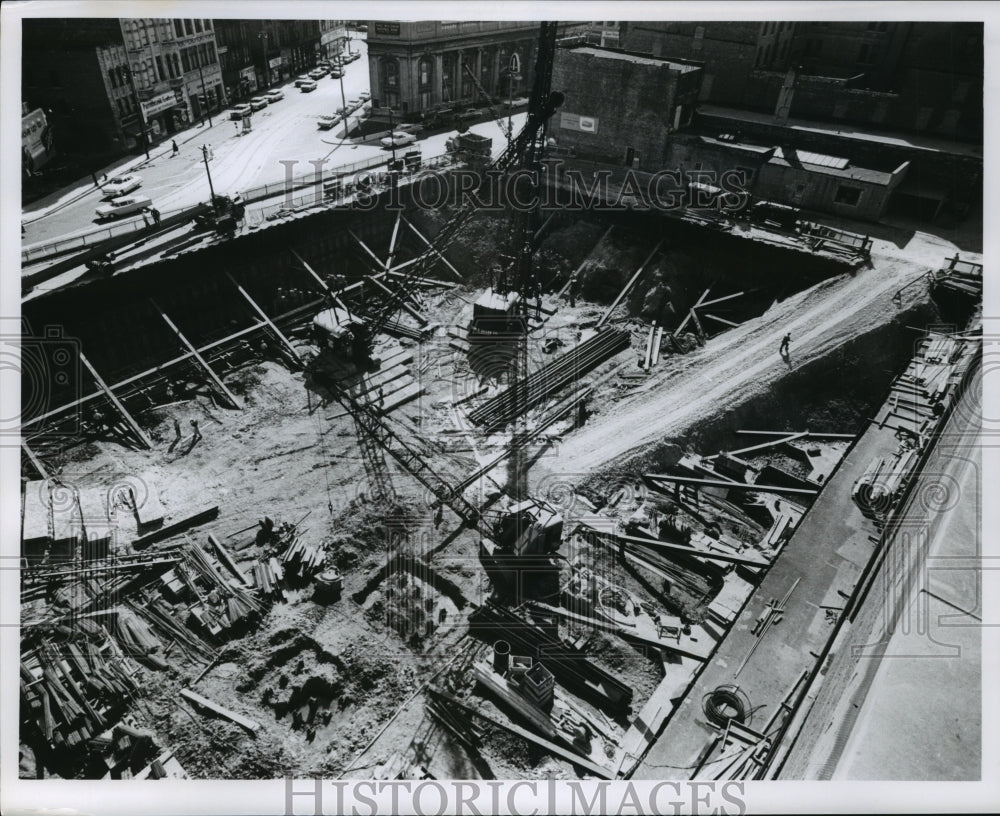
284, 140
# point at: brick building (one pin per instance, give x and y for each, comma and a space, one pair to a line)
621, 107
416, 67
256, 54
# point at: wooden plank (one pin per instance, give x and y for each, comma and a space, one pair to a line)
628, 286
713, 301
392, 240
763, 445
679, 549
666, 477
380, 263
647, 361
228, 560
402, 297
720, 319
809, 434
34, 460
541, 229
208, 514
657, 341
551, 747
250, 725
136, 429
432, 248
229, 395
277, 332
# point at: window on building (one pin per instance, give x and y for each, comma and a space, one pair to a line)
178, 28
186, 60
424, 71
176, 63
197, 26
159, 67
847, 195
212, 57
187, 27
390, 73
208, 27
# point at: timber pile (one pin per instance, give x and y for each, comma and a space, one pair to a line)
303, 559
71, 690
962, 277
267, 578
541, 384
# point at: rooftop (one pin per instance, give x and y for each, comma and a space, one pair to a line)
637, 59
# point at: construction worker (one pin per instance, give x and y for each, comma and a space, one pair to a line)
173, 145
783, 348
156, 215
177, 436
197, 433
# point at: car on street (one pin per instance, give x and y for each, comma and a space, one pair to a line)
327, 122
353, 104
258, 103
275, 95
364, 96
309, 85
240, 111
468, 114
120, 185
124, 205
301, 79
336, 73
317, 73
409, 128
398, 138
351, 56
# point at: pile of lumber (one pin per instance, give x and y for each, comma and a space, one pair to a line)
962, 277
71, 690
267, 578
304, 559
564, 371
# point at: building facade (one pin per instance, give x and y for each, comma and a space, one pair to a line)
621, 107
418, 67
256, 54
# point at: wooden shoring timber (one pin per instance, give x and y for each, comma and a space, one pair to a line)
576, 272
679, 549
720, 320
697, 323
144, 440
378, 261
551, 747
435, 250
157, 369
322, 283
392, 240
270, 324
648, 359
229, 395
666, 477
541, 229
713, 301
628, 286
657, 341
808, 434
782, 440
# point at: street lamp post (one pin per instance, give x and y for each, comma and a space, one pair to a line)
208, 172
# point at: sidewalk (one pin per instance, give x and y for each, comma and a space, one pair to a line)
33, 212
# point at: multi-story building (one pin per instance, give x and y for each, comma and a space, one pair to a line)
175, 71
621, 107
416, 67
256, 54
111, 86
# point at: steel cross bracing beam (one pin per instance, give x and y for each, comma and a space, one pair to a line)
229, 395
138, 431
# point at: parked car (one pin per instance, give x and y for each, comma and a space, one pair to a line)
409, 128
364, 96
469, 113
327, 122
336, 73
275, 95
240, 111
351, 56
301, 79
120, 185
353, 104
125, 205
258, 103
398, 139
307, 86
317, 73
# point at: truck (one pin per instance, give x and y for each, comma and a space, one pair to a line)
470, 147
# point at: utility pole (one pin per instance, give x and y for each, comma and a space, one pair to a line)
211, 189
204, 93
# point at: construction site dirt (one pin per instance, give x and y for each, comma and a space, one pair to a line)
340, 689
